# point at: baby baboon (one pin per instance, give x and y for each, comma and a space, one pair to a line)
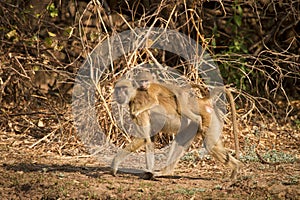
210, 131
158, 92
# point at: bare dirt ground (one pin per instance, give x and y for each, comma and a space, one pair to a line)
34, 174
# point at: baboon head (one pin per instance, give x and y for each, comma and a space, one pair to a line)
143, 80
123, 92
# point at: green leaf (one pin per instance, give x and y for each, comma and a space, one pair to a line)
51, 34
69, 31
240, 10
52, 10
48, 41
12, 34
214, 43
238, 20
36, 68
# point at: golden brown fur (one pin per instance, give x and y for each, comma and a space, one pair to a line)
145, 103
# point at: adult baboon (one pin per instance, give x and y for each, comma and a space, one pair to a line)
174, 122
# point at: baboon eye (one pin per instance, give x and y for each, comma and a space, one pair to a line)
143, 82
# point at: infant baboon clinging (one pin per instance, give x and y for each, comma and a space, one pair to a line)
160, 92
166, 100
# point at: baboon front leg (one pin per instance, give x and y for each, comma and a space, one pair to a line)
123, 153
145, 132
142, 140
149, 155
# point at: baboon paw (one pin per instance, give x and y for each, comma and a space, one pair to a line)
113, 172
135, 114
148, 176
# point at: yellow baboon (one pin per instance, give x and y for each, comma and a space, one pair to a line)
146, 104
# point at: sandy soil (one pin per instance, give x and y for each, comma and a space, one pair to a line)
34, 174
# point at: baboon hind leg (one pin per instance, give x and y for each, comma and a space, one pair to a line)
213, 144
220, 153
181, 143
